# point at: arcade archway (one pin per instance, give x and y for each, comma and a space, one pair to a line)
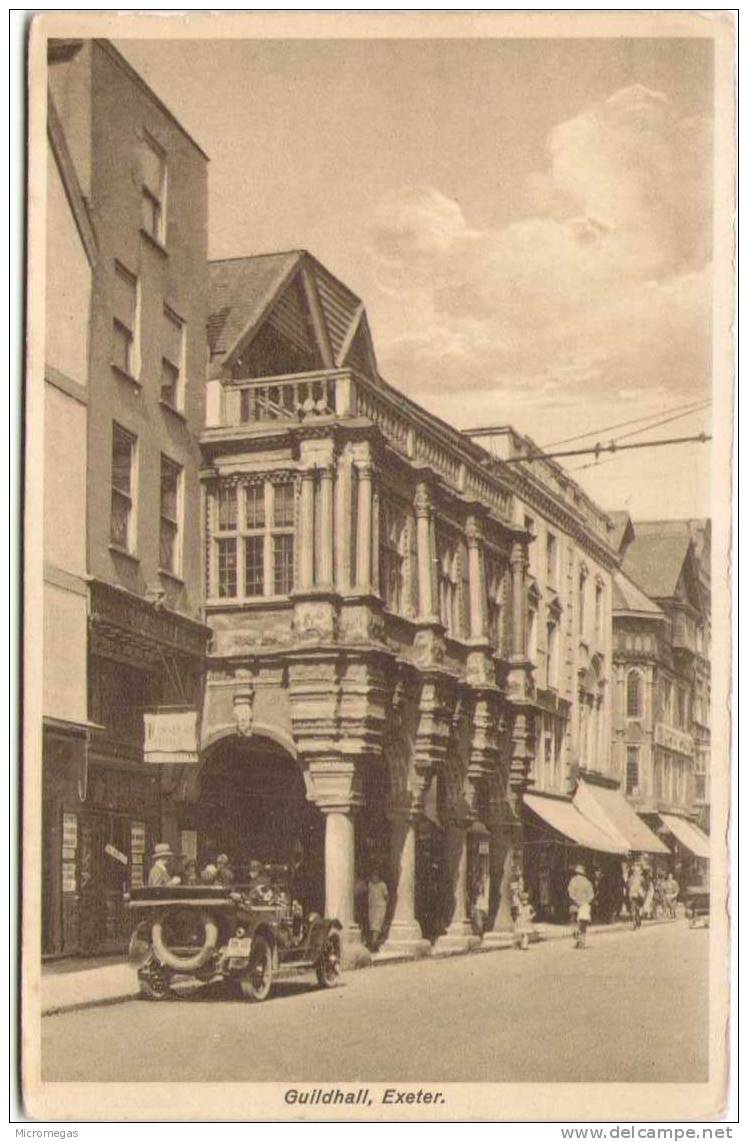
251, 804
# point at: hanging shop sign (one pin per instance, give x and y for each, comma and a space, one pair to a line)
111, 851
171, 735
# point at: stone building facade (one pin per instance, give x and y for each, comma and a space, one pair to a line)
369, 695
128, 503
661, 629
572, 562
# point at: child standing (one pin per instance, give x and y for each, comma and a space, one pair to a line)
523, 923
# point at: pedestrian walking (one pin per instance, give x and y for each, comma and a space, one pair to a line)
581, 893
523, 923
635, 891
671, 891
378, 898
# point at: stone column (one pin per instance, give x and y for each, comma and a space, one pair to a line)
518, 563
404, 936
363, 536
504, 858
425, 553
340, 882
375, 539
343, 569
306, 530
459, 936
325, 576
476, 582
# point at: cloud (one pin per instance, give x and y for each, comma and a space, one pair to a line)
602, 288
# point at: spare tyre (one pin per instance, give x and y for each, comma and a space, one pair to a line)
203, 927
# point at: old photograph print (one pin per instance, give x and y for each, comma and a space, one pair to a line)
377, 659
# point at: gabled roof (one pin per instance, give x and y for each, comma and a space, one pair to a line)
655, 561
623, 530
240, 291
628, 598
244, 292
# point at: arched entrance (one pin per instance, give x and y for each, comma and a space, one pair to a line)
251, 804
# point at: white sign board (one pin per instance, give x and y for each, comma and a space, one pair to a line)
111, 851
170, 736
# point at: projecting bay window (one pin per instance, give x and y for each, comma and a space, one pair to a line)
253, 538
393, 552
153, 197
169, 551
122, 518
172, 360
125, 322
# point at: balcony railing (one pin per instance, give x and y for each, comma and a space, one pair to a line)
341, 393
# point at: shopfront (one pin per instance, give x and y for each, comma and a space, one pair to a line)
690, 848
556, 838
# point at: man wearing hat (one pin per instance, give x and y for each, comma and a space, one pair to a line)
581, 893
160, 874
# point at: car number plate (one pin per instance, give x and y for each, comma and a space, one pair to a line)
239, 948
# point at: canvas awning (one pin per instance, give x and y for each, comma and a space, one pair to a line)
609, 810
688, 834
563, 816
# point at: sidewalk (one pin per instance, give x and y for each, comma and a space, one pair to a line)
95, 983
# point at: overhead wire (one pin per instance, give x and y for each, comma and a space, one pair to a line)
625, 423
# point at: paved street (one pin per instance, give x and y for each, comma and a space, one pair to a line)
633, 1008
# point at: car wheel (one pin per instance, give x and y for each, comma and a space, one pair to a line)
256, 979
328, 964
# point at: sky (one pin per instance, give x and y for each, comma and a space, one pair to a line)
528, 222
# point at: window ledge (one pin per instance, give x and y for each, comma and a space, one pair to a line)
123, 553
123, 373
171, 575
154, 242
254, 602
177, 412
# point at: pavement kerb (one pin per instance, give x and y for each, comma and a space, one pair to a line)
61, 1008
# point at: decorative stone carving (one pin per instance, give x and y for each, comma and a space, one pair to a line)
243, 702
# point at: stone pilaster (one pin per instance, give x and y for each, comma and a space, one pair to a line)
325, 499
364, 528
306, 529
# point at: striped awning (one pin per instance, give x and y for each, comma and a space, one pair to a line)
688, 834
564, 817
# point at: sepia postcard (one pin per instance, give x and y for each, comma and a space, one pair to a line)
377, 662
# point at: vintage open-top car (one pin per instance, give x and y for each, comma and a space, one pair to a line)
210, 933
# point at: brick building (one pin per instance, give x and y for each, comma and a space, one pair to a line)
124, 515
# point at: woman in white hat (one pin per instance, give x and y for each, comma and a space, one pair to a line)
160, 874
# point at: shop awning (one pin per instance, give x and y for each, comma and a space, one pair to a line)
609, 810
688, 834
565, 818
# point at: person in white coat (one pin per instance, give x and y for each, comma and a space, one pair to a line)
378, 899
